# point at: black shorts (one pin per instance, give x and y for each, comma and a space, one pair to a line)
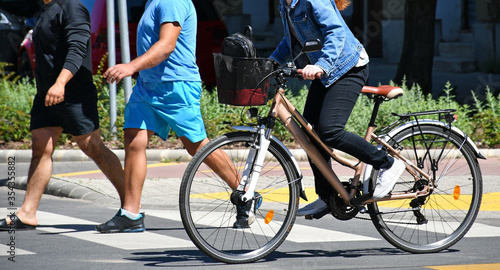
76, 118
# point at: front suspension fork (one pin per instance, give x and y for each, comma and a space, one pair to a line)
253, 166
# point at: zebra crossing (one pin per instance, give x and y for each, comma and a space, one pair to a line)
65, 225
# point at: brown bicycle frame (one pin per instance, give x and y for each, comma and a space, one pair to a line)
283, 109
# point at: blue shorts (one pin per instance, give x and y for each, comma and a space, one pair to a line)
164, 106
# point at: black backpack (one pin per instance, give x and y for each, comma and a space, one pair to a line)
240, 45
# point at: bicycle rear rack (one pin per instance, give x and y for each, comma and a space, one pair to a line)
446, 115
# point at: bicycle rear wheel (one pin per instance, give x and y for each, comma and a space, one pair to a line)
440, 219
208, 214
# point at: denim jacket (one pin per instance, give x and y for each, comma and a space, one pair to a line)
320, 19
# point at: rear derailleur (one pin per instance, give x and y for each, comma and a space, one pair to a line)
416, 203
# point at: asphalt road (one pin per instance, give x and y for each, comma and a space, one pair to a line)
66, 239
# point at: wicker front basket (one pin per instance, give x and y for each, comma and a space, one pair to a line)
240, 80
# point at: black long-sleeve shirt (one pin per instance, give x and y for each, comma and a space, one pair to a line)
62, 40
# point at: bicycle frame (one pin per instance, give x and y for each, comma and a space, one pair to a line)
288, 114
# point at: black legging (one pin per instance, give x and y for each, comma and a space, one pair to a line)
328, 109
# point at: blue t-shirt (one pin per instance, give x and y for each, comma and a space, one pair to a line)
181, 64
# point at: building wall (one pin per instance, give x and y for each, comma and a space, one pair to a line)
487, 35
482, 19
447, 21
259, 13
450, 15
450, 22
392, 30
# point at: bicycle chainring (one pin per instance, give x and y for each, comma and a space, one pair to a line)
341, 210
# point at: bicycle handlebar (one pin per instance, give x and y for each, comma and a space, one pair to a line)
294, 72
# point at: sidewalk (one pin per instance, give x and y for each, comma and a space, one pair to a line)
161, 188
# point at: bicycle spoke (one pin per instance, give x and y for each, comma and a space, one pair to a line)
451, 207
208, 214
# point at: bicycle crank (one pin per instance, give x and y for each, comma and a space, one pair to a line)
340, 209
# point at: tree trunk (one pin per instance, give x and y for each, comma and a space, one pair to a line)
418, 44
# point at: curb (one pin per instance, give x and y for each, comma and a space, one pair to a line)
24, 156
66, 189
158, 155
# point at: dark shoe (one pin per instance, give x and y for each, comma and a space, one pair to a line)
120, 223
245, 214
15, 224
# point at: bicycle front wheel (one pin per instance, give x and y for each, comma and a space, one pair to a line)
440, 219
208, 214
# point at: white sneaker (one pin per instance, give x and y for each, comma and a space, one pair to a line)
312, 208
388, 178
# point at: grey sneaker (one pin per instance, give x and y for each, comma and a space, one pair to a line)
388, 178
120, 223
313, 208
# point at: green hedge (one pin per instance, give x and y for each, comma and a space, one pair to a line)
16, 97
481, 121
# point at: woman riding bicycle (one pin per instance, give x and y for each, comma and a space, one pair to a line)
343, 66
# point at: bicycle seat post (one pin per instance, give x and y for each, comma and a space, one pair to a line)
377, 101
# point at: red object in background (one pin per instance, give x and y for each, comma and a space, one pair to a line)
211, 33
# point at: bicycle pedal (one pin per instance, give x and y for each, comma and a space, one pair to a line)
361, 199
318, 215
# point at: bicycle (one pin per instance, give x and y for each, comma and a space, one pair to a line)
432, 206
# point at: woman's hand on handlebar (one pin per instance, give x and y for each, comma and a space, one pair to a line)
311, 72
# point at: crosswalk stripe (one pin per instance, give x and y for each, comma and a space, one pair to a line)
308, 234
125, 241
62, 224
477, 229
5, 249
7, 244
299, 233
483, 230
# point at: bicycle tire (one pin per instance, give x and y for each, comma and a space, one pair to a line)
208, 214
452, 207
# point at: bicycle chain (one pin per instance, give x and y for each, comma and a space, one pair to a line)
390, 222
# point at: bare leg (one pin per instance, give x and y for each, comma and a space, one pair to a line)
136, 141
91, 144
217, 161
43, 144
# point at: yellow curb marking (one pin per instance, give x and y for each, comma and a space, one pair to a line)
466, 267
99, 171
490, 202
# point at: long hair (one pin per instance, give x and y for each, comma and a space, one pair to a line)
342, 4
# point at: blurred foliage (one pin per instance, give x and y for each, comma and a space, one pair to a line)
480, 121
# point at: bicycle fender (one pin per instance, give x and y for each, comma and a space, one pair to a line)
294, 161
245, 128
431, 122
